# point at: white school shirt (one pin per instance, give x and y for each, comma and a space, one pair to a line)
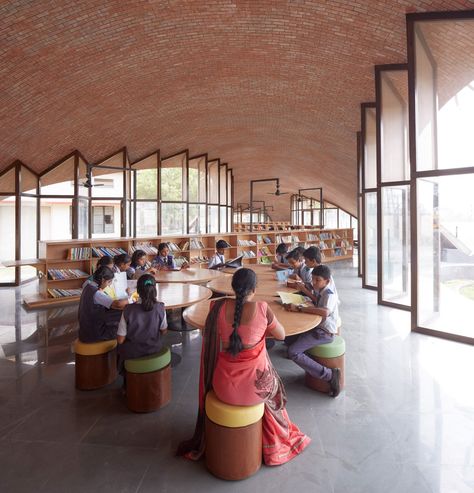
216, 260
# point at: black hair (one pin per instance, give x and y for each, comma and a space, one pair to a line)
146, 287
313, 253
300, 249
244, 282
282, 248
322, 271
161, 246
103, 274
104, 261
136, 256
222, 244
294, 254
122, 258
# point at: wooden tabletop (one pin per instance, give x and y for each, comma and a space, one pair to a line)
179, 295
194, 276
293, 322
267, 285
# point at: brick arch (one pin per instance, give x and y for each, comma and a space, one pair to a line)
271, 87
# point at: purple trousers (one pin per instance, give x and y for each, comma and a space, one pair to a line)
305, 341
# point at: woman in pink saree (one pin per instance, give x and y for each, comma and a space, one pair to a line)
235, 363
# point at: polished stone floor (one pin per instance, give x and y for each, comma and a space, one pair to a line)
405, 422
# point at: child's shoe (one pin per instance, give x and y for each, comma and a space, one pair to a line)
334, 383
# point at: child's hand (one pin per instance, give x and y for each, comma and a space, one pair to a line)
290, 307
301, 286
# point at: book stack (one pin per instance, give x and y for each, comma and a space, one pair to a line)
246, 243
148, 248
79, 253
173, 247
195, 244
60, 274
198, 260
63, 293
325, 236
312, 237
106, 251
265, 260
183, 245
263, 252
247, 254
180, 261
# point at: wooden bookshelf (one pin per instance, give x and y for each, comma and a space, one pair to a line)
258, 247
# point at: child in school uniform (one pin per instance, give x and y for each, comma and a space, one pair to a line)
140, 264
142, 324
122, 264
105, 261
99, 314
218, 258
280, 257
325, 306
164, 261
312, 258
301, 273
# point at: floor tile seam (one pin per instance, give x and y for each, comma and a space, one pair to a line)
22, 420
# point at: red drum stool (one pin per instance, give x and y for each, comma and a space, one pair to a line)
148, 381
330, 355
96, 363
233, 438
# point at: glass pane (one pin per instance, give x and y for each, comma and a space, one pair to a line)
213, 188
28, 227
147, 218
197, 179
394, 126
173, 219
107, 182
223, 185
354, 226
229, 187
7, 234
445, 261
197, 219
223, 219
396, 244
344, 219
106, 218
370, 149
83, 191
60, 180
83, 219
444, 94
28, 181
56, 219
172, 174
330, 218
229, 219
213, 219
7, 182
147, 183
370, 250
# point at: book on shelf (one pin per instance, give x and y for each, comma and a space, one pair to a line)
183, 245
173, 246
265, 260
107, 251
198, 260
195, 244
312, 237
148, 248
63, 274
247, 254
325, 236
246, 243
63, 293
263, 251
79, 253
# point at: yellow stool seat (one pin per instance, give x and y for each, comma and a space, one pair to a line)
232, 416
94, 348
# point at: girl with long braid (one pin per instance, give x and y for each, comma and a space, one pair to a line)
235, 363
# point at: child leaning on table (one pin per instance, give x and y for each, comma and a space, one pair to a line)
324, 304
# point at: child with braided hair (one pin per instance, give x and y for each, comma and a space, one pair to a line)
236, 365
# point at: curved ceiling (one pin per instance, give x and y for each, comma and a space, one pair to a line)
273, 88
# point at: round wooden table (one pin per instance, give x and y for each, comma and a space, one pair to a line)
293, 322
188, 276
178, 295
267, 284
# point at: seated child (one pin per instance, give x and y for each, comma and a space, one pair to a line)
142, 324
99, 315
301, 273
280, 257
325, 306
312, 258
140, 265
218, 258
164, 261
122, 264
105, 261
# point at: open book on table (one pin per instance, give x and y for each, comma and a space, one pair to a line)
235, 263
293, 298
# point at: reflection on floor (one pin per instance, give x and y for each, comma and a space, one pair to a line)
405, 422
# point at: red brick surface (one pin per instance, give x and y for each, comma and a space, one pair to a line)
271, 87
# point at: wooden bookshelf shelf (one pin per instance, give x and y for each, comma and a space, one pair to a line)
54, 254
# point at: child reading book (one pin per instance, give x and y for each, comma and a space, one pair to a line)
218, 259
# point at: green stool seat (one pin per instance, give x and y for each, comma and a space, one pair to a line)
333, 349
147, 364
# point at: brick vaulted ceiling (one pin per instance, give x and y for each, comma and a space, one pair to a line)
271, 87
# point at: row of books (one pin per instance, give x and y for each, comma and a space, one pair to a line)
197, 260
106, 251
287, 238
63, 293
79, 253
264, 239
192, 244
173, 246
247, 254
59, 274
180, 261
246, 243
146, 247
264, 251
265, 260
